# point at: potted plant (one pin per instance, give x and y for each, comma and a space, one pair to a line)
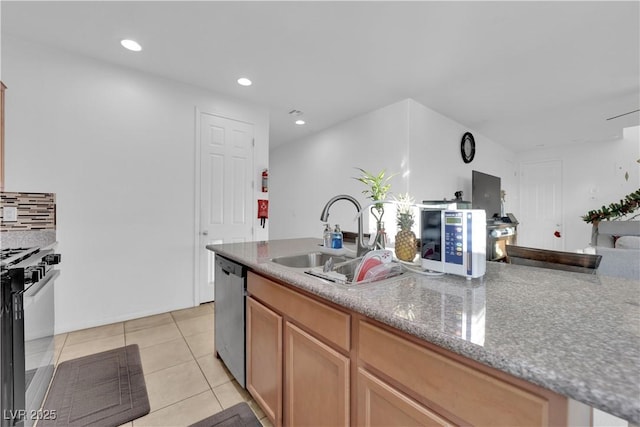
378, 187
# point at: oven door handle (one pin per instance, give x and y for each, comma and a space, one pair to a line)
34, 291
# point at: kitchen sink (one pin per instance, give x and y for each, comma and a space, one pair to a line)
308, 260
344, 273
341, 270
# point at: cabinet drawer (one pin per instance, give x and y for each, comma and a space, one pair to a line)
470, 394
379, 404
324, 321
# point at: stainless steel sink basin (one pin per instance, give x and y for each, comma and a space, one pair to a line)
309, 260
341, 270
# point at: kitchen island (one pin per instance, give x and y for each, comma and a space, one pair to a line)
575, 334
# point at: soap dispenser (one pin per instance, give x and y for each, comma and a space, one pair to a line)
326, 236
336, 238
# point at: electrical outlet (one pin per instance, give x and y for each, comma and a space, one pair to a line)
9, 214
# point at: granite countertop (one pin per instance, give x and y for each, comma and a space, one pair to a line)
27, 238
575, 334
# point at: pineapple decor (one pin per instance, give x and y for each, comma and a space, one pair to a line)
406, 247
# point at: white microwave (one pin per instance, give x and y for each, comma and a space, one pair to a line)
454, 241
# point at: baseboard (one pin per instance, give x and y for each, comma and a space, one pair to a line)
76, 326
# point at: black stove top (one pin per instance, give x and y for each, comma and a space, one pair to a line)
10, 256
27, 266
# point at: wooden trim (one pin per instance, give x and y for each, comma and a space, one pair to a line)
381, 404
303, 292
316, 381
466, 392
353, 377
324, 321
264, 351
559, 260
480, 395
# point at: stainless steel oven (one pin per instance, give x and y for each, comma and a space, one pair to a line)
27, 333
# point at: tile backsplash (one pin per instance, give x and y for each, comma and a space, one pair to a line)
35, 211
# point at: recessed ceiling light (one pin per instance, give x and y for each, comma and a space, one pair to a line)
243, 81
131, 45
300, 122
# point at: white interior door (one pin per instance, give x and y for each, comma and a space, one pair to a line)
541, 205
226, 190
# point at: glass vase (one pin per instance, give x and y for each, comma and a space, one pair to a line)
380, 241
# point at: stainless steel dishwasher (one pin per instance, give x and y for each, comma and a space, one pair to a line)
229, 303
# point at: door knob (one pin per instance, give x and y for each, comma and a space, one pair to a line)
205, 233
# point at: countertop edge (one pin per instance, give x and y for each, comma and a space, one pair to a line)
618, 405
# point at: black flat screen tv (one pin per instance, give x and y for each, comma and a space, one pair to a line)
485, 193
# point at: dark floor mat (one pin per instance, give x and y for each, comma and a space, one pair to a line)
239, 415
105, 389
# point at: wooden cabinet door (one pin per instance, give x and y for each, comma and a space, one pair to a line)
380, 405
466, 392
316, 382
264, 359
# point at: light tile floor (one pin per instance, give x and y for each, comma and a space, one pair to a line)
185, 381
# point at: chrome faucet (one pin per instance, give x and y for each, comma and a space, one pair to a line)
362, 248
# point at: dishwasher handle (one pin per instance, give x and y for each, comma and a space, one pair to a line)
229, 267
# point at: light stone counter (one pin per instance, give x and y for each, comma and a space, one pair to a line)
27, 238
575, 334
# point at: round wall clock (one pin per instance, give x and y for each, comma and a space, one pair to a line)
467, 147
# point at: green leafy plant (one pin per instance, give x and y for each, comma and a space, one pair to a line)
377, 188
629, 204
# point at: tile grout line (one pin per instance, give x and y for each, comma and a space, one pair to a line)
173, 319
196, 360
231, 381
202, 371
66, 344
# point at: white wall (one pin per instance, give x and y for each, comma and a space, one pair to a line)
437, 169
407, 138
592, 176
307, 173
117, 147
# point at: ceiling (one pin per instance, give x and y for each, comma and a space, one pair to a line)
524, 74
